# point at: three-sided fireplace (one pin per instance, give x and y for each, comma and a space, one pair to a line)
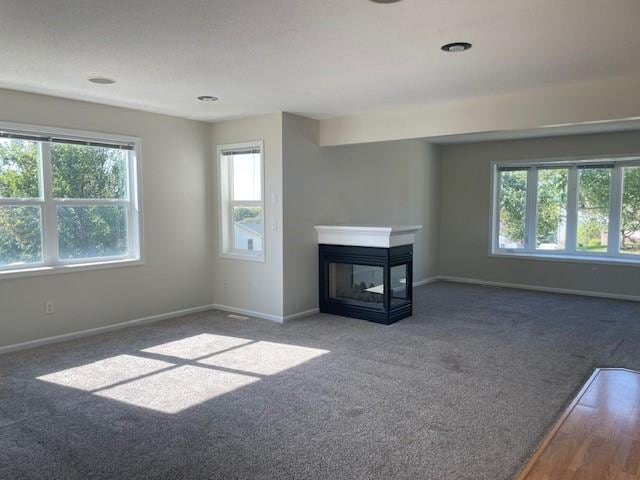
366, 272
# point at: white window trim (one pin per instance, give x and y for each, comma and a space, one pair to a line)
50, 263
613, 256
226, 204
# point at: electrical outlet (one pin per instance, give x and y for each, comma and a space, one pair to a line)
48, 308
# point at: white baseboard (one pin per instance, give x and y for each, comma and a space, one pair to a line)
150, 319
249, 313
266, 316
306, 313
294, 316
107, 328
281, 319
538, 288
425, 281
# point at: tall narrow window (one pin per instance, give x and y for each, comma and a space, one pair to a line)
593, 208
66, 199
630, 218
551, 225
242, 200
512, 208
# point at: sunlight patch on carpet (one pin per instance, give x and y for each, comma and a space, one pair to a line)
104, 373
177, 389
184, 373
264, 358
197, 346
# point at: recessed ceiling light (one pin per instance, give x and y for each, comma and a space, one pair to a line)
456, 47
385, 1
102, 80
207, 98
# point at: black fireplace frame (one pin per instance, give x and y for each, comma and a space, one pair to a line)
385, 313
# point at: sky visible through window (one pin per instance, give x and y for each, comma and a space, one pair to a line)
246, 177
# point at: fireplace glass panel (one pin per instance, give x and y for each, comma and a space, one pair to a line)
399, 292
356, 283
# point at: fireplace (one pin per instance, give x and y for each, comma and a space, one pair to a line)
371, 281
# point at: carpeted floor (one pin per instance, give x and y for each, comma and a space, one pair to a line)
462, 390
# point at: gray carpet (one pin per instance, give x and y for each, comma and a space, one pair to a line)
462, 390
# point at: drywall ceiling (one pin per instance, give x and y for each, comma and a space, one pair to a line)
320, 58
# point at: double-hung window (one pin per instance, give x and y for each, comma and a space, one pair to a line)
582, 209
240, 171
67, 199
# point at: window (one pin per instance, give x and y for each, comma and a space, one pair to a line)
630, 221
242, 200
594, 192
66, 200
582, 209
551, 211
513, 205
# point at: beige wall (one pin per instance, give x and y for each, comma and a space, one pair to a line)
381, 183
241, 284
587, 102
177, 221
446, 189
464, 217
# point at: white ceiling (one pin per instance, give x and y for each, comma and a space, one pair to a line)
320, 58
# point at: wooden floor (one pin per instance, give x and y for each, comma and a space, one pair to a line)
598, 437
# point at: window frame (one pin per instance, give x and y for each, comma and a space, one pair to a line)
227, 203
48, 204
570, 253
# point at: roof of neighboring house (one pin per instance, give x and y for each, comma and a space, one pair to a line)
254, 228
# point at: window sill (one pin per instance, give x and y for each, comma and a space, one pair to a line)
78, 267
558, 257
240, 256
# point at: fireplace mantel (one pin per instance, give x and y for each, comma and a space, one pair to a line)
367, 235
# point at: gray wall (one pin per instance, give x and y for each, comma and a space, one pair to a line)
304, 204
465, 213
380, 183
389, 183
177, 222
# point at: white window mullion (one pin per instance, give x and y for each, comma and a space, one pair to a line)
20, 202
49, 216
246, 203
132, 232
531, 210
232, 236
232, 230
615, 211
572, 211
80, 202
497, 187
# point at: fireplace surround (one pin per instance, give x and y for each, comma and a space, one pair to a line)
366, 272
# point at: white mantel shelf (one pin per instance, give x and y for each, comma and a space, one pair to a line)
367, 235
